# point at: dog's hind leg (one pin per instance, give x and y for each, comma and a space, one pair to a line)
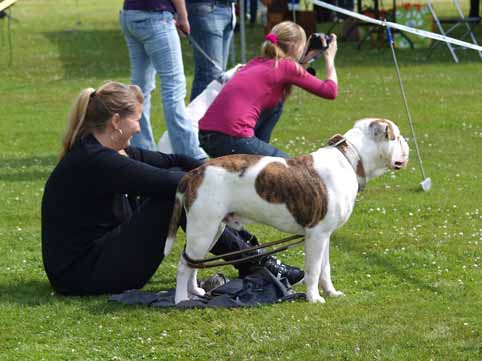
201, 234
193, 288
325, 279
314, 244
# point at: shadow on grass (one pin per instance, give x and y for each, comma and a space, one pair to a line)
103, 54
355, 249
34, 293
27, 293
26, 169
98, 54
86, 54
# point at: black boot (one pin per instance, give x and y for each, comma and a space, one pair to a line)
232, 240
294, 275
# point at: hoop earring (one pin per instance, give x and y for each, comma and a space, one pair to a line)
112, 137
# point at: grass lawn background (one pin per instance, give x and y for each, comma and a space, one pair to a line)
409, 262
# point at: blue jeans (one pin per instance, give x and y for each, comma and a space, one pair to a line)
266, 122
219, 144
154, 47
212, 28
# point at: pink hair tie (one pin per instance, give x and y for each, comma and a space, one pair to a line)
273, 38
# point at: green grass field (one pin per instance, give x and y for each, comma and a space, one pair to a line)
408, 261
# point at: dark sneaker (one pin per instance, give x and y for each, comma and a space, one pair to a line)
294, 275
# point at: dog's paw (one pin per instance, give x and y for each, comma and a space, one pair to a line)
197, 291
315, 299
180, 299
334, 293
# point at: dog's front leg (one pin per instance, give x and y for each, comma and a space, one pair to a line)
182, 279
325, 279
313, 252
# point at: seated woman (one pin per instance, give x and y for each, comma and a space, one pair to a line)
107, 206
243, 115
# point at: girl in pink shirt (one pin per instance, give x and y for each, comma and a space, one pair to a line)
242, 117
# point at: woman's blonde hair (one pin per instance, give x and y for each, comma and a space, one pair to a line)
290, 37
92, 110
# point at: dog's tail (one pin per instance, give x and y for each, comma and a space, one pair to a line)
174, 224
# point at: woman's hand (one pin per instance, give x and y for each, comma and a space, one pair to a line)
330, 53
182, 23
187, 163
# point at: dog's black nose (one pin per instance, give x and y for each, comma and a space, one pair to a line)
398, 165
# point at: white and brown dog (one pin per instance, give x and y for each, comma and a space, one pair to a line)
310, 195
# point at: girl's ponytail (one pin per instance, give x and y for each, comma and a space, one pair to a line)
76, 120
284, 41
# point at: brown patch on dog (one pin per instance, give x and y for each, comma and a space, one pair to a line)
189, 185
175, 219
298, 186
360, 171
236, 163
389, 132
336, 139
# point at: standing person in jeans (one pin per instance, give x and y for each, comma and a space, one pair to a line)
149, 28
212, 23
233, 123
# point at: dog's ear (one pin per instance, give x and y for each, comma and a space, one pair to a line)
382, 129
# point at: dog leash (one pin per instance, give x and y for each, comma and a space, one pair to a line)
201, 50
206, 262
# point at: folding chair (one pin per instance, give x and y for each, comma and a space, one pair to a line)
340, 18
469, 22
5, 14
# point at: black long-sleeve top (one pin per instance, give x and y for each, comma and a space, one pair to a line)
80, 201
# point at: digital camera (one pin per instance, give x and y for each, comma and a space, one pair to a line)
314, 47
315, 41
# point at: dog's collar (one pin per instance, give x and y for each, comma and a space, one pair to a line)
353, 156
